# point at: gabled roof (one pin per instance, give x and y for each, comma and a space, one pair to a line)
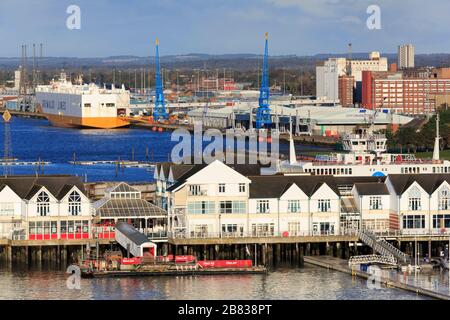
127, 208
276, 186
429, 182
182, 179
369, 189
122, 187
27, 186
178, 170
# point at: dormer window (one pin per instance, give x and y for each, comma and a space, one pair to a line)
74, 203
43, 204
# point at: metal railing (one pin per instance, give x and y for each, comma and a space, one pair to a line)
382, 247
275, 234
373, 258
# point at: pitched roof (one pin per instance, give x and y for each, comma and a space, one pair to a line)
275, 186
131, 232
429, 182
178, 170
127, 208
182, 179
368, 189
27, 186
122, 187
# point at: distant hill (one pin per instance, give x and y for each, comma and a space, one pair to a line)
199, 60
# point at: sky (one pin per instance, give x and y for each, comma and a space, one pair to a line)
296, 27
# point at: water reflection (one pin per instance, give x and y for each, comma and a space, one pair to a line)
306, 283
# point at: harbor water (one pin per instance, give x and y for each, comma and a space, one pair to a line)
34, 139
287, 283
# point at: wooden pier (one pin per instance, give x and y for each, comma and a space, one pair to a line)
341, 265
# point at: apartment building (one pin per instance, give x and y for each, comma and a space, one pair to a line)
217, 201
422, 202
44, 208
406, 56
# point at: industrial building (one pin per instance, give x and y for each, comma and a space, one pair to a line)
405, 95
322, 121
328, 73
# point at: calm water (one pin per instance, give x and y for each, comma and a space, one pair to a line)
33, 139
307, 283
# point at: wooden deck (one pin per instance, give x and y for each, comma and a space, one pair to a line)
341, 265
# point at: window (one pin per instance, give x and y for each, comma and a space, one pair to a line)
239, 207
441, 221
196, 190
6, 209
263, 229
414, 222
221, 187
262, 206
293, 206
87, 105
414, 204
324, 205
63, 226
294, 228
201, 207
233, 229
444, 199
241, 187
375, 203
199, 230
74, 203
232, 207
226, 207
43, 204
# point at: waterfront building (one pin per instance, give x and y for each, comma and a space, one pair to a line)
217, 201
44, 208
165, 175
123, 203
406, 56
421, 202
372, 201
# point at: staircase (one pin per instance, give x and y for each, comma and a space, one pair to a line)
383, 247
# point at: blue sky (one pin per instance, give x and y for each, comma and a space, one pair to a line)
301, 27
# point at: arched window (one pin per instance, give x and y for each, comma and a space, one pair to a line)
43, 204
74, 203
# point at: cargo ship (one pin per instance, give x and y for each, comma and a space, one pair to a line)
80, 105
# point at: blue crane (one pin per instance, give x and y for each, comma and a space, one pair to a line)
160, 105
263, 113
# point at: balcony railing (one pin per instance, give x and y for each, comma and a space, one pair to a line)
266, 234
